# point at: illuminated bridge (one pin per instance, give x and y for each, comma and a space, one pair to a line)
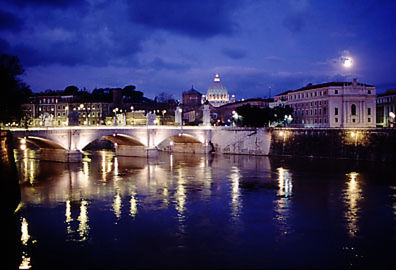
66, 144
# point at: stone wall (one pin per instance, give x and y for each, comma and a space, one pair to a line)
361, 144
247, 141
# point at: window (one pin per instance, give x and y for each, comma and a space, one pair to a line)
369, 92
336, 120
369, 111
336, 92
354, 120
369, 120
353, 109
336, 111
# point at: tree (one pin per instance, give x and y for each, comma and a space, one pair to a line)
16, 91
254, 116
71, 90
163, 97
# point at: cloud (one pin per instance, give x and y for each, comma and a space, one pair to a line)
158, 64
234, 53
52, 3
297, 18
194, 18
104, 35
10, 22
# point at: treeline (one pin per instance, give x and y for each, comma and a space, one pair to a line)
254, 116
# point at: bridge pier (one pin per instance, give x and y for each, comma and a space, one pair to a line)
130, 150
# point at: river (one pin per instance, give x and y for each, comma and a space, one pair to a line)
205, 211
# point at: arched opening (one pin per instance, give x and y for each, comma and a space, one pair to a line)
122, 145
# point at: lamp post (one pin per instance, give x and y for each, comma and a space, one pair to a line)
115, 110
392, 117
235, 116
133, 116
163, 116
83, 108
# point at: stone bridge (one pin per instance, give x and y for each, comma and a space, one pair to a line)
65, 144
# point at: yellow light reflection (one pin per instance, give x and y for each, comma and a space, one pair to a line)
283, 202
235, 193
25, 262
134, 203
284, 182
83, 227
24, 232
353, 194
115, 168
117, 203
180, 197
69, 219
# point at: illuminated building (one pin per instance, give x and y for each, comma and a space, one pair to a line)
334, 104
217, 93
386, 109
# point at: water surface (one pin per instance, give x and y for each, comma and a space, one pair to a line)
203, 211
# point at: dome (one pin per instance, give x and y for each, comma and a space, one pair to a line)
217, 93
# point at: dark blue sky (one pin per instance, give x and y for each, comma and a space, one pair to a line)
167, 46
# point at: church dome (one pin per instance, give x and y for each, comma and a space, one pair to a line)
217, 93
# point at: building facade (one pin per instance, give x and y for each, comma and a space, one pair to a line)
334, 104
54, 111
386, 109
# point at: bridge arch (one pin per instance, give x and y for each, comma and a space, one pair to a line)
111, 136
42, 143
184, 143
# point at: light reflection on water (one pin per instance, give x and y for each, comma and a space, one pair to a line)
283, 204
353, 196
190, 205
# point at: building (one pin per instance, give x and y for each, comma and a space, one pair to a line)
53, 110
386, 109
192, 98
217, 93
334, 104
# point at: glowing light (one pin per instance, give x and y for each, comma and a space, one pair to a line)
217, 78
347, 62
392, 114
281, 133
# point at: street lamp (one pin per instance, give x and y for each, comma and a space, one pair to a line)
115, 110
235, 116
82, 108
392, 116
163, 116
133, 116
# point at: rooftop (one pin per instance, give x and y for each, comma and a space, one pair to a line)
323, 85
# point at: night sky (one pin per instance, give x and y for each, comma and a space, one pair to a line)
168, 46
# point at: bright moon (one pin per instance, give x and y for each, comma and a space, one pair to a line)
347, 62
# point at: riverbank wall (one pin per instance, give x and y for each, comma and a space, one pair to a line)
359, 144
